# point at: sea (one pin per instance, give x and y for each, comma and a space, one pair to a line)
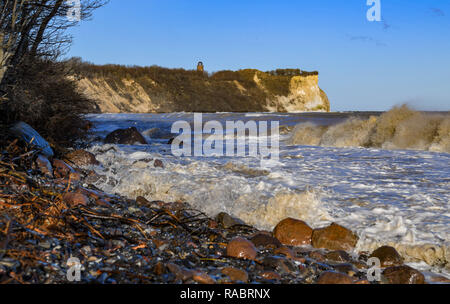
386, 176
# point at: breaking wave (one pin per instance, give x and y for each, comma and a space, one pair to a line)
400, 128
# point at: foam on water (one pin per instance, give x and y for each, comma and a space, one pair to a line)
398, 198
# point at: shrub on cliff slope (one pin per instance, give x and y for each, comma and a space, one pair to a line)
43, 96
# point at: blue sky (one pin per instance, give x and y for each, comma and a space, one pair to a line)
363, 65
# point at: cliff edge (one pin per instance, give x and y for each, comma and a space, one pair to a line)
119, 89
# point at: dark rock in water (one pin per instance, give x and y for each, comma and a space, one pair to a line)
29, 135
227, 220
293, 232
388, 256
403, 275
81, 158
158, 163
330, 277
265, 240
334, 237
128, 136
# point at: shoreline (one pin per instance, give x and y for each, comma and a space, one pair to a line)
48, 219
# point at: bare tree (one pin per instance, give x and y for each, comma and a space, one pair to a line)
37, 28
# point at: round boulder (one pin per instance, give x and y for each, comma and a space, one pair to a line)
388, 256
334, 237
403, 275
81, 158
241, 248
293, 232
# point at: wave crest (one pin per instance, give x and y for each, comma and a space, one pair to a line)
400, 128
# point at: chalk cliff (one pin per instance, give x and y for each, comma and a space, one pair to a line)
119, 89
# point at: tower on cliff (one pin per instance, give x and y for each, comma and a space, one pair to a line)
200, 67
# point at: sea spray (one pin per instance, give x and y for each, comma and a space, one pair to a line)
400, 128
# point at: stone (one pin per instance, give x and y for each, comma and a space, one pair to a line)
346, 268
61, 169
142, 201
237, 275
334, 237
283, 250
128, 136
81, 158
44, 165
338, 256
280, 264
403, 275
293, 232
388, 256
439, 279
203, 278
31, 137
331, 277
158, 163
241, 248
227, 220
265, 240
75, 199
317, 256
270, 275
180, 273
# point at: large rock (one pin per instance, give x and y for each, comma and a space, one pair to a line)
81, 158
30, 136
388, 256
403, 275
334, 237
128, 136
293, 232
241, 248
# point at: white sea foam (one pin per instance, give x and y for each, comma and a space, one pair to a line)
397, 198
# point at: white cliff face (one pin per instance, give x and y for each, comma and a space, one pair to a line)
117, 100
129, 96
305, 96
